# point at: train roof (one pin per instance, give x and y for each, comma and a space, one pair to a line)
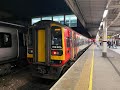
47, 23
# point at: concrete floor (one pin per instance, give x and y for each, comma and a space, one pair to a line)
106, 71
117, 50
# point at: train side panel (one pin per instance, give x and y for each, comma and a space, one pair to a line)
9, 49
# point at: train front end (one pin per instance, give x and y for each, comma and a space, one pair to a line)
49, 51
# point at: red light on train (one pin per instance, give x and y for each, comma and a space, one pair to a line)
54, 52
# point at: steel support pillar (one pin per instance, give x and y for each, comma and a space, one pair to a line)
104, 50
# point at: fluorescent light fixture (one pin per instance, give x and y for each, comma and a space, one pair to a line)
101, 24
99, 28
105, 13
102, 19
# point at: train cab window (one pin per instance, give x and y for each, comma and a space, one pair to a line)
5, 40
56, 37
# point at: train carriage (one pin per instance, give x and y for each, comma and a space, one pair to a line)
12, 47
55, 46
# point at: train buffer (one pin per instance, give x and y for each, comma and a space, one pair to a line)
92, 72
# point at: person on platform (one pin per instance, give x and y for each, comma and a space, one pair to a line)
115, 45
109, 44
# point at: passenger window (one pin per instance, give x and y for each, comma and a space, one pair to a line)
5, 40
68, 41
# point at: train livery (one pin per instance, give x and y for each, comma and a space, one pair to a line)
54, 47
12, 48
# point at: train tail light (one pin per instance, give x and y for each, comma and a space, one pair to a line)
57, 52
54, 52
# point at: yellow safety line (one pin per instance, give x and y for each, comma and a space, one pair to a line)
84, 81
91, 73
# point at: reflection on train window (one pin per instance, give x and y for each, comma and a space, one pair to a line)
56, 37
5, 40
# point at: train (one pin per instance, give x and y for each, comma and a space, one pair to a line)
13, 46
53, 47
30, 44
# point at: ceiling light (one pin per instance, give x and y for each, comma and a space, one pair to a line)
101, 23
105, 13
99, 28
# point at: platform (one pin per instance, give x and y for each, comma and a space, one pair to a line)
117, 50
92, 72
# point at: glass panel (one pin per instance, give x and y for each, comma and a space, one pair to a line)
71, 20
5, 40
59, 19
35, 20
46, 18
56, 37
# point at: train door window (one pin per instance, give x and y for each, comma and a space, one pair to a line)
5, 40
56, 37
68, 41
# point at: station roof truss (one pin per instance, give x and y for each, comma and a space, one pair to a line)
113, 17
92, 14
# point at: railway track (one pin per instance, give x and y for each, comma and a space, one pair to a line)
21, 79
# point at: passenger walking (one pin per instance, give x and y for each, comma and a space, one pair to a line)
115, 46
112, 44
109, 44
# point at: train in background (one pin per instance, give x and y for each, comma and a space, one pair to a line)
52, 47
13, 46
30, 45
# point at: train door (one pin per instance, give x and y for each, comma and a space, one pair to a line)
41, 46
72, 45
75, 45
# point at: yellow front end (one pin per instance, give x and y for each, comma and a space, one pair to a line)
41, 45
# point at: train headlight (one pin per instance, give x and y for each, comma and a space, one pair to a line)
30, 51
